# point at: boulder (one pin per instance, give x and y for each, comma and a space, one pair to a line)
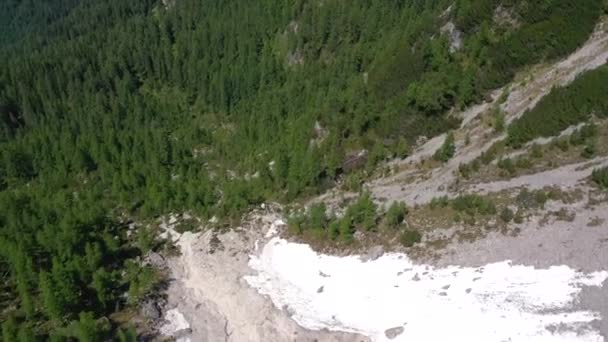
150, 310
393, 332
154, 259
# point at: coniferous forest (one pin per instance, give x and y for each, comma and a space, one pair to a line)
114, 110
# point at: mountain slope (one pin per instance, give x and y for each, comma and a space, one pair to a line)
115, 112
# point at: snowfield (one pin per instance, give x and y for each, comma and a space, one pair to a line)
391, 298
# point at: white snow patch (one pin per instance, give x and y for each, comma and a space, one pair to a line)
176, 323
497, 302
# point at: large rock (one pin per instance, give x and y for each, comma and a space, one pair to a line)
393, 332
150, 310
354, 160
156, 260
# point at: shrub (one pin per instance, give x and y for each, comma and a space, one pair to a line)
363, 212
295, 224
588, 131
499, 121
600, 177
395, 214
186, 226
447, 150
318, 216
589, 151
523, 163
377, 155
347, 229
145, 240
439, 202
507, 166
562, 144
489, 155
531, 199
583, 134
464, 170
141, 280
410, 237
402, 148
469, 220
473, 204
537, 151
334, 229
506, 215
519, 218
353, 182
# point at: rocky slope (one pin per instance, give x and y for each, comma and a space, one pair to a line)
229, 286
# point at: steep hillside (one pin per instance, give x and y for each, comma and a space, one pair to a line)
510, 234
114, 113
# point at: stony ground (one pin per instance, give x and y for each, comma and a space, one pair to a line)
209, 290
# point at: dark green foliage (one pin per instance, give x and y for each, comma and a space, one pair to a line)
499, 121
584, 134
9, 330
128, 335
447, 150
457, 218
318, 216
465, 170
395, 214
552, 28
188, 225
473, 204
353, 182
600, 177
315, 219
523, 163
562, 144
470, 14
88, 329
296, 224
531, 199
488, 156
402, 148
537, 151
506, 215
410, 237
564, 107
590, 150
507, 165
377, 154
141, 281
145, 240
117, 109
363, 212
439, 202
334, 229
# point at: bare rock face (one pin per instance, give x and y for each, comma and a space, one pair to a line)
454, 36
393, 332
